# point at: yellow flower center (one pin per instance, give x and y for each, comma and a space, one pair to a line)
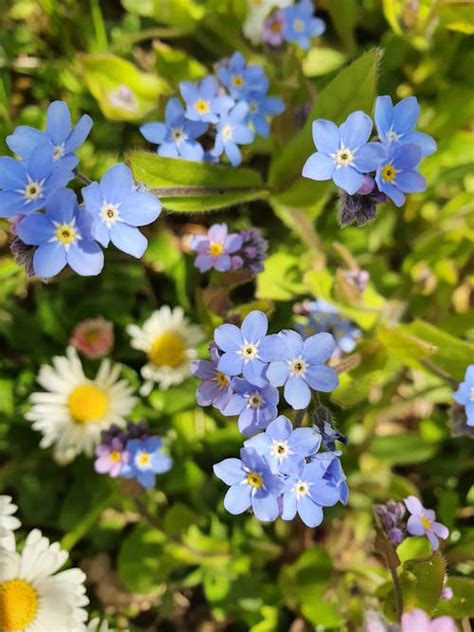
18, 605
425, 522
87, 403
202, 106
115, 456
276, 27
66, 234
168, 350
237, 81
221, 379
216, 249
254, 479
143, 459
388, 173
93, 335
298, 25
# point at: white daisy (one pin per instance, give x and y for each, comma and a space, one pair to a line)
34, 597
258, 12
8, 523
169, 340
74, 411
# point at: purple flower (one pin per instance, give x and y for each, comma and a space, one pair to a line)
256, 406
396, 174
300, 25
301, 367
111, 458
252, 484
418, 621
465, 394
247, 350
146, 460
202, 100
251, 253
423, 522
241, 78
273, 29
216, 388
232, 131
344, 154
215, 248
391, 516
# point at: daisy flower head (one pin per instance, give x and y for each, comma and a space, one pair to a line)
75, 409
8, 523
34, 596
169, 340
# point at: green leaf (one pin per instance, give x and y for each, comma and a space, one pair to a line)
406, 346
195, 186
429, 582
176, 65
321, 61
182, 13
457, 18
343, 15
281, 278
414, 548
139, 559
462, 603
352, 391
402, 449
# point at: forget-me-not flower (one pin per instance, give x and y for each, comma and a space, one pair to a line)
203, 103
215, 249
60, 136
465, 394
423, 522
344, 154
396, 174
252, 484
333, 472
259, 108
118, 207
146, 459
232, 131
301, 367
255, 405
241, 78
300, 25
396, 124
216, 388
176, 137
63, 236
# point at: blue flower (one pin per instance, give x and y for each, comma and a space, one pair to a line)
118, 207
397, 124
396, 174
333, 472
216, 388
247, 350
256, 406
300, 25
306, 492
301, 367
176, 136
283, 448
343, 152
202, 101
60, 137
146, 459
63, 236
26, 185
260, 107
232, 130
465, 394
252, 484
241, 79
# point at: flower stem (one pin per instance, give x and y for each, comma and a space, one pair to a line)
299, 416
81, 177
398, 593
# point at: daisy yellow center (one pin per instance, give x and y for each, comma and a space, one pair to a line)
143, 459
237, 81
115, 456
33, 190
216, 249
66, 234
344, 157
298, 25
425, 522
87, 403
202, 106
388, 173
221, 379
255, 480
168, 350
298, 366
18, 605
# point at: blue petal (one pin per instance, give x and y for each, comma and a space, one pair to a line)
79, 133
192, 150
86, 258
319, 167
355, 130
117, 183
368, 157
24, 139
348, 179
235, 405
426, 143
233, 153
310, 513
383, 116
254, 326
58, 122
168, 150
12, 203
230, 471
317, 27
174, 111
289, 506
93, 199
247, 422
318, 348
154, 132
405, 115
146, 478
272, 348
35, 229
280, 429
230, 363
405, 156
392, 192
228, 337
60, 205
12, 174
243, 135
237, 499
254, 372
293, 343
160, 463
261, 443
410, 182
265, 507
324, 493
208, 87
322, 378
58, 178
326, 136
188, 91
304, 441
49, 259
297, 393
40, 162
140, 208
101, 233
128, 239
277, 373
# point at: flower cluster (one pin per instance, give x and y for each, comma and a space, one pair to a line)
132, 454
222, 251
464, 395
224, 111
370, 172
51, 229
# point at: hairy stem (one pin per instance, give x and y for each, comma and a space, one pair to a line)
81, 177
198, 190
398, 592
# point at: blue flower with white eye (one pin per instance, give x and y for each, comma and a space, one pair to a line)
344, 154
283, 448
117, 208
301, 367
299, 25
241, 78
396, 124
176, 137
256, 406
203, 102
146, 460
232, 130
60, 136
465, 394
332, 472
396, 174
63, 236
248, 349
306, 492
252, 484
26, 185
260, 108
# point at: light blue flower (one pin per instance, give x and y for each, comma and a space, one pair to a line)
232, 130
343, 152
252, 484
216, 388
283, 448
60, 137
146, 459
465, 394
241, 78
27, 184
176, 137
332, 472
302, 367
397, 124
203, 102
63, 236
118, 207
300, 25
396, 174
260, 108
256, 406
